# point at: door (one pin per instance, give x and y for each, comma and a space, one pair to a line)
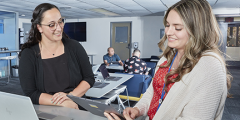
233, 42
121, 39
26, 27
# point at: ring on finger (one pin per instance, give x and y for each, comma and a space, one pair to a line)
59, 94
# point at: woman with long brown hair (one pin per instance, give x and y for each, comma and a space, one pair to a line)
191, 78
52, 65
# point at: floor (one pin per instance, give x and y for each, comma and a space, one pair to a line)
232, 105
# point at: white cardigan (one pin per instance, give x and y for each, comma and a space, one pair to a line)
200, 95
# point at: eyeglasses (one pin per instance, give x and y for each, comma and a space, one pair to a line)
53, 26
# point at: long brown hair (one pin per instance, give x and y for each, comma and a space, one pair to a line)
204, 35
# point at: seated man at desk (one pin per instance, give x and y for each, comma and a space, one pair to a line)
111, 57
135, 65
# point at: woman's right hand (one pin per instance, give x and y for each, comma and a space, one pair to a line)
70, 104
132, 112
129, 114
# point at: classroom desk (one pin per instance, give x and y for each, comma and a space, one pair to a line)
91, 55
115, 67
10, 51
99, 92
154, 60
68, 112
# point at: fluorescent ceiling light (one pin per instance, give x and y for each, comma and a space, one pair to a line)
23, 15
105, 12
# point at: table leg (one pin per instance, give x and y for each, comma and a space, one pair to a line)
10, 70
92, 59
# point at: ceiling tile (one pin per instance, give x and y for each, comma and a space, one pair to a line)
152, 5
169, 3
75, 3
126, 8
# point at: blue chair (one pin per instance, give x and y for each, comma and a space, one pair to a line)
146, 59
136, 86
152, 65
155, 57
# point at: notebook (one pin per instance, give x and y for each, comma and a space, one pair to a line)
106, 75
17, 107
95, 107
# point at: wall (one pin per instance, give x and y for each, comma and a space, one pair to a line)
8, 38
223, 27
145, 31
233, 54
21, 21
151, 35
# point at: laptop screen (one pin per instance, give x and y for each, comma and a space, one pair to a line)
104, 71
114, 62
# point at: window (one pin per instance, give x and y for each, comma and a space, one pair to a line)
1, 26
233, 35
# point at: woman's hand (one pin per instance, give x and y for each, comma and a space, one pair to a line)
129, 114
70, 104
132, 112
115, 117
59, 98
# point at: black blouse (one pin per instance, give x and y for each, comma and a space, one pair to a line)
56, 76
31, 71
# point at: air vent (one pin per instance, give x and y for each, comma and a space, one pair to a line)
64, 8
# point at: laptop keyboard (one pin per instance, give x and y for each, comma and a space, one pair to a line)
111, 78
99, 85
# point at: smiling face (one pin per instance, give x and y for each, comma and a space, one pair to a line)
175, 31
51, 17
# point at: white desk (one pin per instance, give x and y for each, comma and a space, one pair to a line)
115, 67
10, 51
91, 55
10, 63
68, 112
154, 60
99, 92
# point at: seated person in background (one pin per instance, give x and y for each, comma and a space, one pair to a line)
111, 57
52, 65
135, 65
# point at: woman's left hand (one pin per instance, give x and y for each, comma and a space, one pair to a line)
59, 98
115, 117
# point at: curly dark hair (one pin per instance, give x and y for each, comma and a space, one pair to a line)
34, 34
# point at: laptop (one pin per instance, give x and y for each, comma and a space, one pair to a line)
95, 68
114, 63
17, 107
95, 107
106, 75
98, 84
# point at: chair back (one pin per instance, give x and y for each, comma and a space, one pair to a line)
152, 65
135, 85
155, 57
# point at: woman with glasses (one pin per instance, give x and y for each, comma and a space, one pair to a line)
191, 79
52, 65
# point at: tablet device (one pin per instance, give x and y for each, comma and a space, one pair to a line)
95, 107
